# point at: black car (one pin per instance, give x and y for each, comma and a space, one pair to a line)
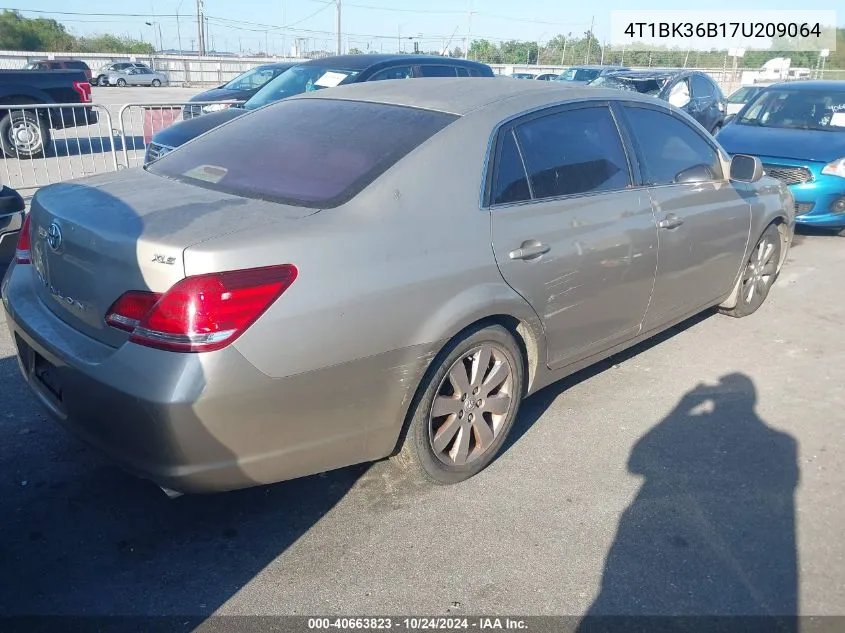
690, 90
316, 75
586, 74
241, 88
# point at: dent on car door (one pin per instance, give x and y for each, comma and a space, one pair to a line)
570, 234
703, 220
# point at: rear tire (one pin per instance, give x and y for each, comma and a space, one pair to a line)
156, 83
465, 407
758, 274
23, 134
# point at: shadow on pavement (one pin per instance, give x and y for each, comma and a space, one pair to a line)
79, 536
802, 232
712, 529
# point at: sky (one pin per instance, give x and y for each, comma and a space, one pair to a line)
249, 25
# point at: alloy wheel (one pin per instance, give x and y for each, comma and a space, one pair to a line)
471, 405
760, 271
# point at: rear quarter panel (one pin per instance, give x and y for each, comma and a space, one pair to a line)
384, 281
407, 262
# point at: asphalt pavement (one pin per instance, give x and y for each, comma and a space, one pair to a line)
702, 471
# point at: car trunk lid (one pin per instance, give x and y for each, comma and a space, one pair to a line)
94, 239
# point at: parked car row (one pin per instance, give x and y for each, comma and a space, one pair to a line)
328, 277
114, 74
308, 76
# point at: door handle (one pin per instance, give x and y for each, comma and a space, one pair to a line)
530, 249
671, 221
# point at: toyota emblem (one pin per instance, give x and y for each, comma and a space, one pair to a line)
54, 237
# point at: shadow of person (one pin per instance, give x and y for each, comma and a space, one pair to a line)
712, 530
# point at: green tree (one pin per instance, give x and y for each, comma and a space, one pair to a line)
18, 33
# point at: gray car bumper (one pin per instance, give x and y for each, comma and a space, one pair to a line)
204, 422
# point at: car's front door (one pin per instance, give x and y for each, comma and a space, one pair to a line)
570, 232
703, 222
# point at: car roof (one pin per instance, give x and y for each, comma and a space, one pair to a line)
594, 66
278, 65
809, 84
462, 95
362, 62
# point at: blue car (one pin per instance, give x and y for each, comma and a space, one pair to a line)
797, 130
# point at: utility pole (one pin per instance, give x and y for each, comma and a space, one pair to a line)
590, 40
200, 28
469, 32
339, 32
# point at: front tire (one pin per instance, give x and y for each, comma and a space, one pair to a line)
121, 82
23, 134
465, 407
759, 274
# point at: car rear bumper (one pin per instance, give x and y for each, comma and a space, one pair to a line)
201, 422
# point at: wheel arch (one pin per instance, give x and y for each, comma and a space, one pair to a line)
785, 231
526, 331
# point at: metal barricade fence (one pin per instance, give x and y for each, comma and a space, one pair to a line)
44, 144
41, 144
149, 118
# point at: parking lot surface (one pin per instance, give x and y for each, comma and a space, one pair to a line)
559, 519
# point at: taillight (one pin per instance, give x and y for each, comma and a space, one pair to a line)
130, 308
202, 313
23, 251
83, 88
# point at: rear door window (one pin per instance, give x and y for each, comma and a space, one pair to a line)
702, 87
303, 152
574, 152
510, 182
394, 72
437, 70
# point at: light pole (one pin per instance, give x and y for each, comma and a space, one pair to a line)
153, 25
178, 31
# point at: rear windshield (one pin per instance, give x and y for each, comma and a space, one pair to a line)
303, 152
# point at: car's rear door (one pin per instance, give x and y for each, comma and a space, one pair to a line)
703, 222
570, 232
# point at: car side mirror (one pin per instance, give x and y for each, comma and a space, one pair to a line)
10, 201
696, 173
746, 168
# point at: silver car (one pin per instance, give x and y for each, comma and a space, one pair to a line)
383, 269
136, 76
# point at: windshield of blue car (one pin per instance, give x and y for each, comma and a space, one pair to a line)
797, 110
578, 74
743, 95
297, 80
646, 86
251, 79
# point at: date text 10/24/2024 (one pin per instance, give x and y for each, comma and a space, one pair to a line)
418, 624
